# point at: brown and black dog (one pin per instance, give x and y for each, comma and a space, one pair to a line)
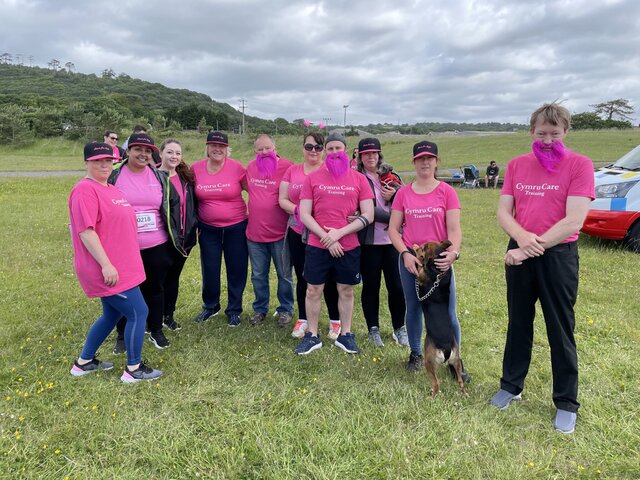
440, 345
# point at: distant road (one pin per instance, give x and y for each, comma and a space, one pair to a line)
61, 173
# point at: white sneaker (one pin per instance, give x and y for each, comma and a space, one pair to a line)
334, 329
300, 328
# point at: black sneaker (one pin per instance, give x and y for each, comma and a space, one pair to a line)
143, 372
94, 365
415, 362
233, 320
119, 347
466, 378
171, 324
159, 340
206, 314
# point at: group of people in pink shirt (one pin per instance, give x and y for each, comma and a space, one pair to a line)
335, 225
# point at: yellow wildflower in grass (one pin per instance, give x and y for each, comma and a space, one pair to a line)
26, 394
21, 418
7, 398
57, 452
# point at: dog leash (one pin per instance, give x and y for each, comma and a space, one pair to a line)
436, 284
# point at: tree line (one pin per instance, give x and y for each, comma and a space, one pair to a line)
58, 101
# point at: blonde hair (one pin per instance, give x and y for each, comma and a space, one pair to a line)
552, 113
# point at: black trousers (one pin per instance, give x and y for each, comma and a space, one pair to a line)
553, 279
157, 261
297, 249
376, 260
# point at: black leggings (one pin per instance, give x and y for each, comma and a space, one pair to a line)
172, 282
376, 260
297, 249
157, 261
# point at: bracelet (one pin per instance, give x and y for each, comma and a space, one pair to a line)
457, 254
365, 222
406, 251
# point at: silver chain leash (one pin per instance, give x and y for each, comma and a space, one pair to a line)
436, 284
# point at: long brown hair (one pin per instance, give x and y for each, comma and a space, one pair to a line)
182, 169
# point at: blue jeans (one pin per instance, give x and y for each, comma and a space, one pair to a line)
232, 242
413, 316
128, 304
260, 254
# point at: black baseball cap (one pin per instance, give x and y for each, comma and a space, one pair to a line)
369, 145
141, 140
218, 137
423, 148
97, 151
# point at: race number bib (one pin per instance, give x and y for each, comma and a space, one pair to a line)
146, 221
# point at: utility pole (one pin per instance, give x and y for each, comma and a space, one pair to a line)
326, 121
345, 115
242, 107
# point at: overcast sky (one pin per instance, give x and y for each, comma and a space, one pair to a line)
390, 61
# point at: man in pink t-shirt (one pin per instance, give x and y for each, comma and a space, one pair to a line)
265, 231
330, 195
545, 199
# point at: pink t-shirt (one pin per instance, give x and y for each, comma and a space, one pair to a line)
540, 197
144, 192
107, 211
334, 200
425, 214
220, 201
295, 176
380, 230
267, 221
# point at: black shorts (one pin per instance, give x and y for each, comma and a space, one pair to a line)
318, 265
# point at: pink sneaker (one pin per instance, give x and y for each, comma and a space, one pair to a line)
334, 329
300, 328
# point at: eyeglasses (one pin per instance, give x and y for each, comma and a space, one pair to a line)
310, 146
114, 138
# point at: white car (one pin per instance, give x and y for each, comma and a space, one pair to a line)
615, 213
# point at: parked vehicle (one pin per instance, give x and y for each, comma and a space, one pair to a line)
615, 213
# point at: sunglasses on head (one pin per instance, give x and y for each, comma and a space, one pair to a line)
309, 147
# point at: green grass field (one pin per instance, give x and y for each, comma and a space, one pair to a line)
455, 151
237, 403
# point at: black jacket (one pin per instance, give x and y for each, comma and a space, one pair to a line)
190, 227
365, 236
170, 207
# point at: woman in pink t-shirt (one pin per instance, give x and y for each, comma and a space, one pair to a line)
157, 208
290, 188
219, 182
108, 264
182, 179
426, 210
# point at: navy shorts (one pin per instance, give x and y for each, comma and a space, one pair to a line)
318, 265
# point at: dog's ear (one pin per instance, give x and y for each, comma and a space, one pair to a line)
446, 244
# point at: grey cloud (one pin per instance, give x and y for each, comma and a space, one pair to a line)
390, 61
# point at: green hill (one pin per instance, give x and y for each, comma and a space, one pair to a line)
39, 102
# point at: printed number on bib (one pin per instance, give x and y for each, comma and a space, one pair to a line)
146, 221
